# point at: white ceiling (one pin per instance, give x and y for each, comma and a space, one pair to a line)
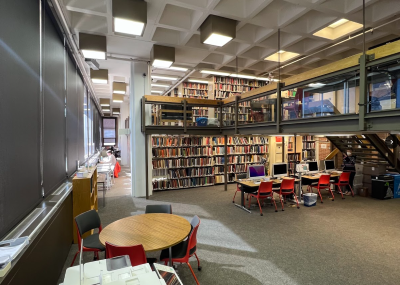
176, 23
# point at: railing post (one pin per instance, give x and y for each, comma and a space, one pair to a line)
226, 163
236, 113
184, 116
278, 107
363, 101
220, 117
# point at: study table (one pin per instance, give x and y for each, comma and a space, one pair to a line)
154, 231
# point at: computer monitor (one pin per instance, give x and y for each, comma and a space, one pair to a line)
312, 166
329, 165
279, 169
257, 170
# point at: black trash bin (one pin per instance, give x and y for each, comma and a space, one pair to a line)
382, 187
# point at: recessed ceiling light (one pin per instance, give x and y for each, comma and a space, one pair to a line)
156, 91
164, 77
316, 85
242, 76
162, 63
338, 29
159, 85
217, 40
128, 27
99, 81
281, 56
338, 23
198, 81
215, 72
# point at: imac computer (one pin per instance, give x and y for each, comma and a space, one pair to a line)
329, 165
256, 171
279, 169
312, 167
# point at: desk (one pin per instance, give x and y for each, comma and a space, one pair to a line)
106, 169
154, 231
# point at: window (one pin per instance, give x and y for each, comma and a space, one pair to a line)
109, 131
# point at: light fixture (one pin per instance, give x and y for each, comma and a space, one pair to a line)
130, 16
117, 98
281, 56
115, 111
159, 85
215, 72
198, 81
119, 87
178, 68
99, 76
338, 29
156, 91
316, 85
242, 76
217, 31
162, 56
104, 102
164, 77
106, 109
93, 46
263, 78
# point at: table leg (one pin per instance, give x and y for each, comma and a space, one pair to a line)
104, 195
242, 203
170, 257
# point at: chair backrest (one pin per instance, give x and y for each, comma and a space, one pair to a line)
87, 221
287, 184
192, 240
136, 253
324, 179
265, 188
161, 209
241, 176
344, 177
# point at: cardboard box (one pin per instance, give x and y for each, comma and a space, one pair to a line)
374, 170
363, 191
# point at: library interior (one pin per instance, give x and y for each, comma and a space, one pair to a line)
200, 142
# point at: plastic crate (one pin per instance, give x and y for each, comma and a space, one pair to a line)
310, 199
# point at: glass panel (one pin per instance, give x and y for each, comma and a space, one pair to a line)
262, 109
167, 115
85, 122
228, 115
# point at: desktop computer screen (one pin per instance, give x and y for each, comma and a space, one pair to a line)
312, 166
279, 169
329, 165
256, 171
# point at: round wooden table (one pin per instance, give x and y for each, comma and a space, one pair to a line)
153, 231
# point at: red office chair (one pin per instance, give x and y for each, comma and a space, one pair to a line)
264, 191
323, 183
344, 180
85, 222
287, 188
136, 253
185, 249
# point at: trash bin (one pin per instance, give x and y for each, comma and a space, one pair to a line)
310, 199
396, 185
382, 188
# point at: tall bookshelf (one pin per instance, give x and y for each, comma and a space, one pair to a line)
293, 159
225, 87
190, 161
308, 152
198, 91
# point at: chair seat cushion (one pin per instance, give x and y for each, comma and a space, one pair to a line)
178, 251
93, 241
262, 194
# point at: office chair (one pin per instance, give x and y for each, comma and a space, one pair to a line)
324, 182
238, 186
287, 188
264, 191
136, 253
85, 222
162, 209
344, 180
185, 249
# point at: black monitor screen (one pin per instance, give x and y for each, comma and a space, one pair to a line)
329, 164
312, 166
280, 169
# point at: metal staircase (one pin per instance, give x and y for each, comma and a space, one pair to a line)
369, 149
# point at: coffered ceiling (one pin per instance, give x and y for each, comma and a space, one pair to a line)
176, 23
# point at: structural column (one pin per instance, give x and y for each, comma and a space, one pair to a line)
138, 87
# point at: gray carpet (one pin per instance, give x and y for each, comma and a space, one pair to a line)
351, 241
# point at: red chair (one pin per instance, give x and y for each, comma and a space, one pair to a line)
287, 188
344, 180
324, 182
85, 222
264, 191
185, 249
136, 253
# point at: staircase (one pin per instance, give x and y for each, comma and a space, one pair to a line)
369, 149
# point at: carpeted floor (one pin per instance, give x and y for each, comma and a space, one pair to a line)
351, 241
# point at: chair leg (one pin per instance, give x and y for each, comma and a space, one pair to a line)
249, 202
297, 201
73, 261
351, 189
258, 201
195, 278
330, 190
233, 200
273, 200
319, 192
280, 198
341, 192
198, 262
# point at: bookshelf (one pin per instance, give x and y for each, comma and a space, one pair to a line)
225, 87
190, 161
293, 158
308, 145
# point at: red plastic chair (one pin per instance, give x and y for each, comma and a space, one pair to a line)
136, 253
344, 180
185, 249
324, 182
287, 188
264, 192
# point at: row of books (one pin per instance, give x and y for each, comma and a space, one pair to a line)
176, 141
200, 112
181, 162
190, 172
250, 158
308, 138
308, 153
159, 172
195, 85
181, 151
232, 88
194, 92
225, 94
221, 179
166, 184
239, 81
308, 145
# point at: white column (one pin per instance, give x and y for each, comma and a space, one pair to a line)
138, 87
123, 139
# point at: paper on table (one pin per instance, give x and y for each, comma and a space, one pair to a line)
13, 247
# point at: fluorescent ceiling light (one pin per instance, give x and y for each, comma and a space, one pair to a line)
198, 81
159, 85
118, 101
338, 23
217, 40
94, 54
164, 77
116, 113
106, 110
119, 92
215, 72
156, 91
128, 27
281, 56
178, 68
99, 81
104, 104
242, 76
162, 63
316, 84
263, 78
